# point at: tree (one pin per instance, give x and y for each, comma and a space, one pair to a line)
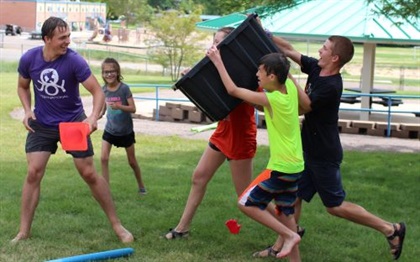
224, 7
185, 6
402, 9
405, 9
162, 4
270, 7
176, 40
135, 11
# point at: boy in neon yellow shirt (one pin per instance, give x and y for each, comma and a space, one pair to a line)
279, 181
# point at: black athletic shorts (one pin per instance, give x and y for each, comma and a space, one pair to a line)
46, 138
119, 141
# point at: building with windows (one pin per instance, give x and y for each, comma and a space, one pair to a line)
30, 14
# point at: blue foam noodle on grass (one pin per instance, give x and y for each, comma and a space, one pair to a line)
109, 254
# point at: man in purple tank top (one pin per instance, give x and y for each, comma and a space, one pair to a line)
55, 72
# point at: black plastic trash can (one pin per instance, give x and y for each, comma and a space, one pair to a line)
241, 51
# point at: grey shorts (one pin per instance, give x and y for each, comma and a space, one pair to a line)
46, 139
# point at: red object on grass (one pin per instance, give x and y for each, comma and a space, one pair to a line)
73, 136
233, 226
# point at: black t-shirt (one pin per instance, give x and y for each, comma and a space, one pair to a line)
320, 136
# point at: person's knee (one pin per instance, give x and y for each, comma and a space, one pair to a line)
271, 207
104, 158
33, 178
242, 207
200, 178
335, 211
34, 175
90, 178
89, 174
133, 163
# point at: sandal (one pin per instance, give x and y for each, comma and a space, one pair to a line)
396, 249
300, 231
268, 252
172, 234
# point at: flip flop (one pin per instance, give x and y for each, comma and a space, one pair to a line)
300, 231
268, 252
400, 233
172, 234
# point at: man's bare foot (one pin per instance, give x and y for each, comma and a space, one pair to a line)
123, 234
19, 237
288, 245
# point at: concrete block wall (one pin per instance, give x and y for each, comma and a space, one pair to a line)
181, 113
399, 130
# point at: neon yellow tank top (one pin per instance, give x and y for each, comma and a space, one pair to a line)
284, 131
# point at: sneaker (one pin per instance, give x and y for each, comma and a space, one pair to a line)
142, 191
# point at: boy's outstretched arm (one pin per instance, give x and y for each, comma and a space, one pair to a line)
256, 98
304, 100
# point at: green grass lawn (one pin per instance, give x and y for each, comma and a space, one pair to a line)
69, 222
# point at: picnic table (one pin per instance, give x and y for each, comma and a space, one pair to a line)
383, 100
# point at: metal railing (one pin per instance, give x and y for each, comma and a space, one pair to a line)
389, 98
157, 96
